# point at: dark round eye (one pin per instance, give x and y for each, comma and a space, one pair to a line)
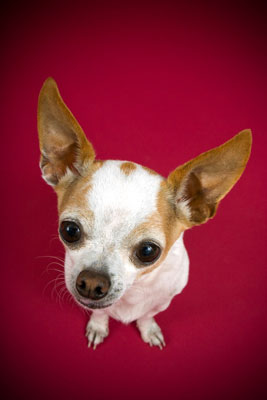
147, 252
70, 231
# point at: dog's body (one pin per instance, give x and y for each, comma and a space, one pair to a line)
122, 224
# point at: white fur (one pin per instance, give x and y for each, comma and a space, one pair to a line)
120, 203
120, 200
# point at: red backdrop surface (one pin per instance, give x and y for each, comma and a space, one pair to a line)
158, 84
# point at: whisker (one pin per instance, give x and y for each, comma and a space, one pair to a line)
55, 237
64, 293
57, 285
48, 269
55, 257
47, 285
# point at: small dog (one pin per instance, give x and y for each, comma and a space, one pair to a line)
122, 224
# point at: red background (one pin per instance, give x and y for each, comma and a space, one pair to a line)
157, 84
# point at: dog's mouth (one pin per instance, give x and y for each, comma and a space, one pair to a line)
90, 304
93, 306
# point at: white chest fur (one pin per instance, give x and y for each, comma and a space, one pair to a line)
153, 292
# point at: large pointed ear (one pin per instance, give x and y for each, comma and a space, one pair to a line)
198, 186
63, 144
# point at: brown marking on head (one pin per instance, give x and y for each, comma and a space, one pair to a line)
163, 220
73, 193
127, 167
167, 221
171, 225
153, 222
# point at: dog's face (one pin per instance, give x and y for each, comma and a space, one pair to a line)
118, 220
116, 225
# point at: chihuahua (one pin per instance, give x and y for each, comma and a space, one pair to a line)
122, 224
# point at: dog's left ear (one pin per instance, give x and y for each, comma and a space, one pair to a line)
198, 186
63, 144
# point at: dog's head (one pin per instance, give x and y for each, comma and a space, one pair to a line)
117, 219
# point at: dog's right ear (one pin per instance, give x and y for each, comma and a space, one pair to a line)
63, 144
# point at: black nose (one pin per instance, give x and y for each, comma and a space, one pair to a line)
92, 285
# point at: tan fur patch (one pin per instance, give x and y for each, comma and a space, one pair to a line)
165, 220
171, 226
74, 193
127, 167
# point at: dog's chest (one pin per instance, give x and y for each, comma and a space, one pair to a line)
153, 292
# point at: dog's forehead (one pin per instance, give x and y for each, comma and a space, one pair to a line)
114, 198
122, 194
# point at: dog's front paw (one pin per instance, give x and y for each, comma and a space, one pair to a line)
151, 332
96, 331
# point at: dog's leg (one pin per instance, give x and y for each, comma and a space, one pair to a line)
150, 332
97, 329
